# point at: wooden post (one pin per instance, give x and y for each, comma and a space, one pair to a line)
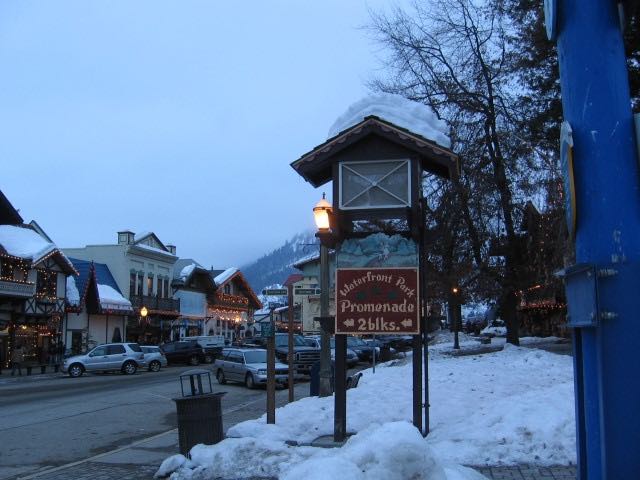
340, 399
290, 352
271, 374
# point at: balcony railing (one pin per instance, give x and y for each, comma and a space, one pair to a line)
155, 303
10, 288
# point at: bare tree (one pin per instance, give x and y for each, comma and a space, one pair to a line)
453, 55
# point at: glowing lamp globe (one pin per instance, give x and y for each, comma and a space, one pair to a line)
321, 214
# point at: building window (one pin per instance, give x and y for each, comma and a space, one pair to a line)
150, 285
47, 284
132, 284
140, 283
159, 290
227, 288
166, 288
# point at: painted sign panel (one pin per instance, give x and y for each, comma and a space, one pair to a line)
378, 250
377, 301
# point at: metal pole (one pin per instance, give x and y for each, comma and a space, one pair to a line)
373, 353
290, 352
340, 402
455, 310
423, 327
271, 372
596, 103
325, 338
417, 382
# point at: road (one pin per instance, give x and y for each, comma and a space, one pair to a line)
53, 420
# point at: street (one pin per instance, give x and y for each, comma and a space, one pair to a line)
54, 420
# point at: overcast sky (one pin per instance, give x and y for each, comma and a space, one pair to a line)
178, 117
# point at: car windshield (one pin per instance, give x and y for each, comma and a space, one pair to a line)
255, 357
283, 341
353, 341
135, 347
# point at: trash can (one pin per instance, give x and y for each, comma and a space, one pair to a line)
314, 382
199, 411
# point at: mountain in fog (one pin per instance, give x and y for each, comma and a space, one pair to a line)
274, 268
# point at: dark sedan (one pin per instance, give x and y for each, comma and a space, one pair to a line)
186, 352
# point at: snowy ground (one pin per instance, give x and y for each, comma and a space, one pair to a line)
509, 407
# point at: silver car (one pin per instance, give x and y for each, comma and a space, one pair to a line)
123, 357
154, 357
247, 365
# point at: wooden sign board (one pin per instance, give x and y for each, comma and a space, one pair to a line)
377, 301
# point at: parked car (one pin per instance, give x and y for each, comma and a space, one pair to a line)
211, 344
185, 352
154, 357
352, 356
248, 366
378, 343
364, 351
304, 355
123, 357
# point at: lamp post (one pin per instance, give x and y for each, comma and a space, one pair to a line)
321, 213
454, 316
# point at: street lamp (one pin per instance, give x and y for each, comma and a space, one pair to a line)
455, 315
321, 213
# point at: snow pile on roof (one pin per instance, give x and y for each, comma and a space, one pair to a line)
186, 271
24, 243
402, 112
154, 249
111, 299
73, 295
139, 236
224, 276
509, 407
393, 451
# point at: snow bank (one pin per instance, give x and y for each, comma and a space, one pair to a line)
392, 451
509, 407
402, 112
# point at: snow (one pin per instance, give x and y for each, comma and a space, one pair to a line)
112, 299
494, 331
139, 236
154, 249
224, 276
24, 243
73, 295
402, 112
186, 271
510, 407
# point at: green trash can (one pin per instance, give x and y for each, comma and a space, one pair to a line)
199, 412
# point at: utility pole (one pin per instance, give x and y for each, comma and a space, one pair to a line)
600, 163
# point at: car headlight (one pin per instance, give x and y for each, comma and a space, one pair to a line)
262, 372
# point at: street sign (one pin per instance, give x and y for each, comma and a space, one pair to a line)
379, 301
275, 292
306, 291
267, 330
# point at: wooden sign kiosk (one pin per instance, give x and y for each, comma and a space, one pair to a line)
377, 168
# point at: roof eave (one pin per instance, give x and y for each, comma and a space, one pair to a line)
438, 159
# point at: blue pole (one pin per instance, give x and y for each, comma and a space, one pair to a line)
595, 101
